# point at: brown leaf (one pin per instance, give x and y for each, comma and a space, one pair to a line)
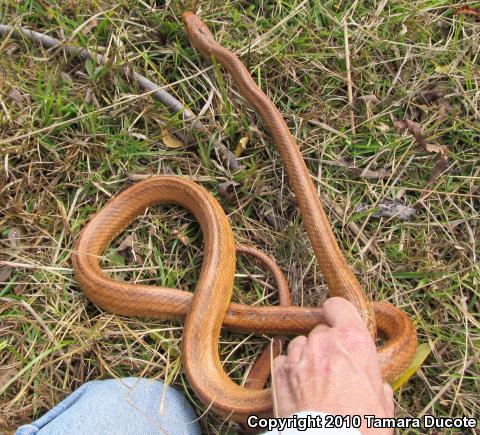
19, 288
126, 249
5, 272
272, 217
6, 373
22, 118
90, 98
416, 130
440, 167
11, 49
444, 108
90, 26
430, 94
364, 173
182, 237
139, 177
227, 189
126, 245
435, 95
466, 10
13, 236
169, 141
413, 128
434, 148
370, 98
17, 97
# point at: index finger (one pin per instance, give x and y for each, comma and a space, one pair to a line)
338, 312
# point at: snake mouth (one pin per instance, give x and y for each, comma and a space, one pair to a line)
198, 33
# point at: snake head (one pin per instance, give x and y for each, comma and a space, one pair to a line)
198, 33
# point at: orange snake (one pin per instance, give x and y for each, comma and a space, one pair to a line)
209, 307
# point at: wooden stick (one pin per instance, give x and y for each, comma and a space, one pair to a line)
159, 93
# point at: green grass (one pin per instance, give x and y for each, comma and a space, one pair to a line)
52, 181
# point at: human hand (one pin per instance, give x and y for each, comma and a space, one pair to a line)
335, 370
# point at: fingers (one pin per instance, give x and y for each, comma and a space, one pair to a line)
312, 375
388, 393
338, 312
295, 349
282, 393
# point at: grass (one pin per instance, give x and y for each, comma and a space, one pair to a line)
52, 181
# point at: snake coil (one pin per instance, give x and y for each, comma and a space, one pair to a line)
209, 307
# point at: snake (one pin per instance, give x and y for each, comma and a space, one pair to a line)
209, 308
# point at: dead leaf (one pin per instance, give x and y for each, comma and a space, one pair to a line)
389, 208
13, 236
63, 213
5, 272
272, 217
430, 95
19, 288
363, 173
67, 78
370, 98
241, 146
227, 189
182, 237
367, 173
413, 128
126, 244
228, 157
90, 98
466, 10
433, 148
6, 373
126, 249
11, 49
394, 209
383, 127
440, 167
169, 141
139, 177
416, 130
137, 135
435, 95
260, 134
17, 97
22, 118
90, 26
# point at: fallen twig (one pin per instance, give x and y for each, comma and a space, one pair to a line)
147, 85
362, 173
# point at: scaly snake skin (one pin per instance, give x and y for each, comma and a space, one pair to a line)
209, 307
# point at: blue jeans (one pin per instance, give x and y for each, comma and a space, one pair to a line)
128, 406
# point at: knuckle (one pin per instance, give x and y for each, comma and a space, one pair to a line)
296, 342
